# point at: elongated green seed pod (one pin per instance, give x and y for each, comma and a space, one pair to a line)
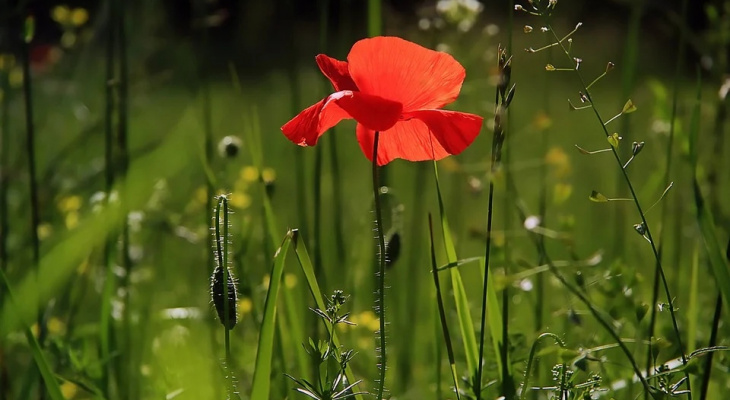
217, 294
222, 284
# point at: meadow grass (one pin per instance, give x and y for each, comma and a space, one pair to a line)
128, 175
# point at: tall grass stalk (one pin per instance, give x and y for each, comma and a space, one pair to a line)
105, 321
667, 179
466, 325
318, 156
542, 205
715, 183
442, 318
4, 225
628, 79
128, 385
375, 18
32, 180
508, 389
502, 99
718, 263
635, 199
707, 367
380, 295
4, 167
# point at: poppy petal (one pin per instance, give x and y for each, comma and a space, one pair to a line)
409, 140
455, 131
423, 135
403, 71
371, 111
336, 71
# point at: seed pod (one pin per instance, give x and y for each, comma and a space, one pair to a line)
217, 294
392, 249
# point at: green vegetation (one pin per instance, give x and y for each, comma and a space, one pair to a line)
155, 223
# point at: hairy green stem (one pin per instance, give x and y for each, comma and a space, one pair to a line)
381, 267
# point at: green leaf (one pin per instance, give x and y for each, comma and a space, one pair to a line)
462, 302
261, 385
597, 197
629, 107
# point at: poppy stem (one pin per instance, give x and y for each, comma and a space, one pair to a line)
380, 308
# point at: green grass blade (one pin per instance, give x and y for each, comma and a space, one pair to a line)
295, 323
442, 312
308, 269
462, 302
262, 374
718, 264
51, 384
693, 310
494, 317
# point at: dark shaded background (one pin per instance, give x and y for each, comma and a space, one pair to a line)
260, 34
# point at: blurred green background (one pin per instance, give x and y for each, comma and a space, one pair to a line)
243, 69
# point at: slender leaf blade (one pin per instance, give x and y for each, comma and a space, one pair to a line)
261, 378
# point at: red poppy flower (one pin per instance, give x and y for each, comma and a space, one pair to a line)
396, 87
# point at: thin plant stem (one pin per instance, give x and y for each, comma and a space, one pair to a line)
122, 144
4, 165
639, 209
203, 90
338, 207
667, 174
506, 378
705, 383
501, 104
381, 268
33, 191
487, 253
628, 78
375, 18
108, 290
4, 226
542, 214
442, 318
